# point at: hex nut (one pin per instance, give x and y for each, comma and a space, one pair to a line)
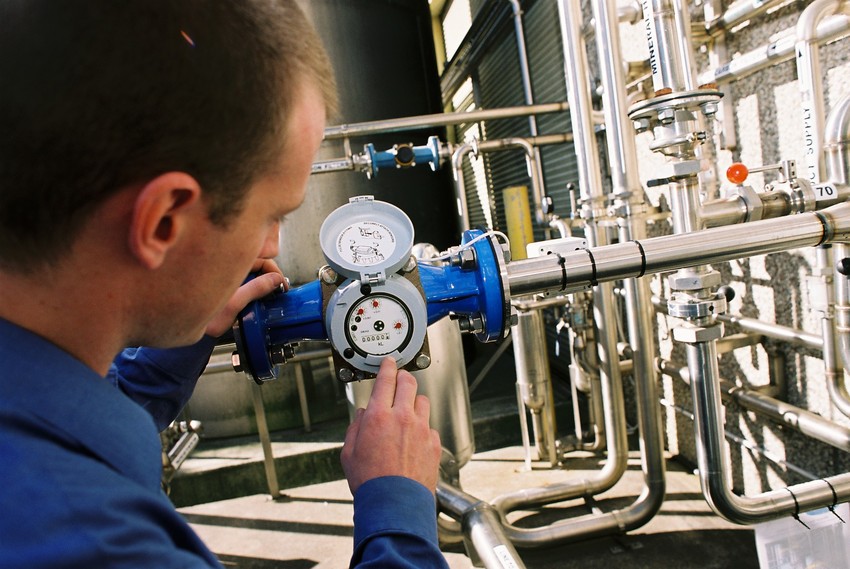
693, 281
695, 334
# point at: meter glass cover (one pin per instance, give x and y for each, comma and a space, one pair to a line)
378, 324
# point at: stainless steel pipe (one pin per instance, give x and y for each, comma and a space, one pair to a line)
581, 269
714, 464
481, 527
439, 119
829, 29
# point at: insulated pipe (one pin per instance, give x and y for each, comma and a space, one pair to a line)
714, 464
481, 526
830, 29
811, 83
740, 12
527, 144
525, 74
837, 142
439, 119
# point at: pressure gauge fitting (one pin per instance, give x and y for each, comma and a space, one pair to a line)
376, 307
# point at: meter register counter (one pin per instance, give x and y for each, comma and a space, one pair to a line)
374, 299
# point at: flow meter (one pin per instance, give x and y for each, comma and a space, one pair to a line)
373, 299
374, 303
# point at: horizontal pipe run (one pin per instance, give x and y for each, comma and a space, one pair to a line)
581, 269
787, 334
759, 451
740, 12
439, 119
781, 50
803, 421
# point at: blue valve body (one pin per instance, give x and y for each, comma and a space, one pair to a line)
426, 154
296, 315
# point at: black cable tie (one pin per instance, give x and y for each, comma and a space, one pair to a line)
563, 263
834, 501
642, 259
796, 514
593, 280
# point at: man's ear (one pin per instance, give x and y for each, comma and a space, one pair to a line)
160, 214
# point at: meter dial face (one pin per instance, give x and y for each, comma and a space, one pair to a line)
378, 325
366, 243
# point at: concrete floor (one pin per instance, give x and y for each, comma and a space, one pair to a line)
311, 527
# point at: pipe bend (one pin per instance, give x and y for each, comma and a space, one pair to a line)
807, 25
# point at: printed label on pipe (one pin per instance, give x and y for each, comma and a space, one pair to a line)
505, 558
652, 44
825, 192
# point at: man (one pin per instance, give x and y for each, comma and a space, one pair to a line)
148, 150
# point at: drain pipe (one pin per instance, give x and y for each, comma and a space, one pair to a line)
631, 210
538, 196
593, 207
711, 455
811, 83
482, 530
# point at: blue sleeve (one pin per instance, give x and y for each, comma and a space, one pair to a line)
395, 525
161, 381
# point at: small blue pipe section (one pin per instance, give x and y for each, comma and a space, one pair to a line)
426, 154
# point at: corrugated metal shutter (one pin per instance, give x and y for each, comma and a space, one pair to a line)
498, 83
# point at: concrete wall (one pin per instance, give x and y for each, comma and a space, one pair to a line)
767, 126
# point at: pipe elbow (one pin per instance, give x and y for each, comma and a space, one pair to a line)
807, 25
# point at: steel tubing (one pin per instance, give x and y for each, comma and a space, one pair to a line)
439, 119
667, 26
778, 51
714, 464
580, 269
534, 166
836, 385
481, 526
740, 12
811, 83
837, 142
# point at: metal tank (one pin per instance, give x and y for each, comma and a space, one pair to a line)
383, 56
384, 62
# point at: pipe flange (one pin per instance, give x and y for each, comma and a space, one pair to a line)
698, 334
657, 108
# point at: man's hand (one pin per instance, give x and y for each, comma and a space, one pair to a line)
270, 279
392, 437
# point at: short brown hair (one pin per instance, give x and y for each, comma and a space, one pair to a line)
97, 95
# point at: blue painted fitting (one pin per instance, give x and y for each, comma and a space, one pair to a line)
283, 318
469, 292
280, 318
415, 155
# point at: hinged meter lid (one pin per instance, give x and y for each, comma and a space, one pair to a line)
366, 239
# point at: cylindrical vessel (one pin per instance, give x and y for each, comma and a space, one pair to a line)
385, 68
445, 385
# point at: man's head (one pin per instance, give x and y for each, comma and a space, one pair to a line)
101, 95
